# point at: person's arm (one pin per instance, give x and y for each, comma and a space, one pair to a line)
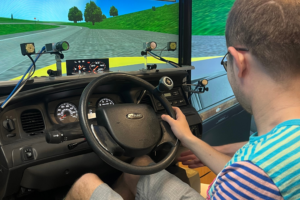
207, 154
244, 180
230, 149
188, 157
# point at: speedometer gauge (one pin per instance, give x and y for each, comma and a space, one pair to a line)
66, 113
97, 67
105, 102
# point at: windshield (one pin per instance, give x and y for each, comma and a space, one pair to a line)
99, 35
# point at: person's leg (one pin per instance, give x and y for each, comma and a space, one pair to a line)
126, 185
161, 185
84, 187
122, 188
88, 185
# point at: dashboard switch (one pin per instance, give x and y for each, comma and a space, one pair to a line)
9, 125
176, 93
28, 153
11, 135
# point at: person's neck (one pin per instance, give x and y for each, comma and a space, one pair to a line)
273, 109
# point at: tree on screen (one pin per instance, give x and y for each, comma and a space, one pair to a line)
103, 16
75, 14
92, 13
113, 11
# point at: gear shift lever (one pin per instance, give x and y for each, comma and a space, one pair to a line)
165, 84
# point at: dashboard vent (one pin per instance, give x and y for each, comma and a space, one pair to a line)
32, 121
146, 100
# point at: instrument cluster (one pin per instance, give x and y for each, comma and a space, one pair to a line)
66, 111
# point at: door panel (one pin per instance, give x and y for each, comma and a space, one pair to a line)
224, 120
230, 126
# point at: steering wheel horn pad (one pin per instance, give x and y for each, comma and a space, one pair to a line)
135, 127
108, 138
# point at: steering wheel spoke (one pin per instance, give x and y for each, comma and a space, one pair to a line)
168, 135
106, 141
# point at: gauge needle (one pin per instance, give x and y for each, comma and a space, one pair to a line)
95, 70
63, 116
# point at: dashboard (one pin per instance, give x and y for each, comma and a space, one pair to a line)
25, 154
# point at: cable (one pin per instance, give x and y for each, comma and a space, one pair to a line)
17, 86
34, 67
20, 88
162, 51
162, 59
167, 61
205, 174
194, 90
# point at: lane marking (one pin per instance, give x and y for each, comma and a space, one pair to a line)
33, 34
115, 62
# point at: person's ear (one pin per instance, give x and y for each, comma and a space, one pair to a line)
239, 60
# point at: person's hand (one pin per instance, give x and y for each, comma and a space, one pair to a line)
189, 158
180, 126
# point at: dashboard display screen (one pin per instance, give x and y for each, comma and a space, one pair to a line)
87, 66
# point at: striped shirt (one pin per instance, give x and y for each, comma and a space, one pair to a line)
267, 167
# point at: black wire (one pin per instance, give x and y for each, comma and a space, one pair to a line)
33, 65
205, 174
194, 90
156, 57
162, 59
162, 51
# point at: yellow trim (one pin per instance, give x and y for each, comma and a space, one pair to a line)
115, 62
205, 58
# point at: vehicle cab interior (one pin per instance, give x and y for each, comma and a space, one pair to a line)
82, 93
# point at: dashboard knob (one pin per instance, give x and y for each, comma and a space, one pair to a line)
9, 125
165, 84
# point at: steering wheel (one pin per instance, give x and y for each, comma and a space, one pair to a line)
129, 129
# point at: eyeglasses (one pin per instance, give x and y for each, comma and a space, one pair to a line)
224, 63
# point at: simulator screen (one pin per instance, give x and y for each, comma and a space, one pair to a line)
208, 36
111, 33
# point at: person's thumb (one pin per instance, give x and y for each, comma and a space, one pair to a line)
168, 119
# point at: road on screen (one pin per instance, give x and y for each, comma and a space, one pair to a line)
84, 43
